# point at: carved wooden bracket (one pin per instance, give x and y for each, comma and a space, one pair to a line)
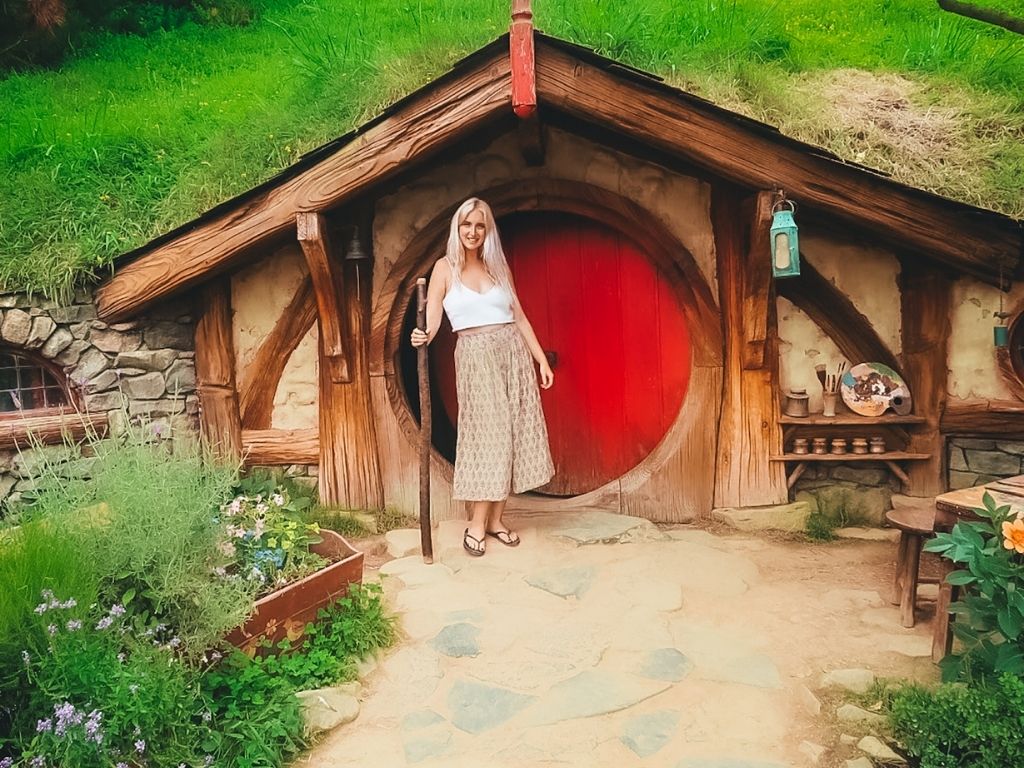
326, 276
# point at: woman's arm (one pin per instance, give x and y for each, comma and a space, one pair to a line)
547, 376
436, 290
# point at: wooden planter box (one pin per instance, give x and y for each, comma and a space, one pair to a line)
286, 611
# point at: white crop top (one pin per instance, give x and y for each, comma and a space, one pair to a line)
468, 309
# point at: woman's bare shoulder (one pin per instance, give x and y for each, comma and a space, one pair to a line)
442, 267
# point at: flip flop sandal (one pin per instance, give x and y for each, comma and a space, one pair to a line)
477, 548
508, 538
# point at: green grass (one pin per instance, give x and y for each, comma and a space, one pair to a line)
138, 135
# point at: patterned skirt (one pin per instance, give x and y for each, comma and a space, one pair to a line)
502, 443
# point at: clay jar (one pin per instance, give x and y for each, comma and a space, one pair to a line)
838, 445
797, 403
800, 445
820, 445
860, 445
877, 445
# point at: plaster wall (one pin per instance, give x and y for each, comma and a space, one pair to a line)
868, 275
802, 345
259, 295
973, 371
681, 203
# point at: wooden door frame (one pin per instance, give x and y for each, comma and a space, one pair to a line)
670, 257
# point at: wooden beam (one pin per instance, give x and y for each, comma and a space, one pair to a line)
748, 431
274, 447
349, 468
983, 418
748, 154
219, 419
426, 122
521, 57
22, 433
926, 306
263, 375
758, 288
327, 282
837, 316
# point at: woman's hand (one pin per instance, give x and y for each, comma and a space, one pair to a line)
419, 338
547, 376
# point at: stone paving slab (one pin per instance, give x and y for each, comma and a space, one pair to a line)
602, 641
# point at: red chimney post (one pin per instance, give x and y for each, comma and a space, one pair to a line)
524, 82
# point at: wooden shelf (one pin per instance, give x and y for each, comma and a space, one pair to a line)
851, 419
889, 456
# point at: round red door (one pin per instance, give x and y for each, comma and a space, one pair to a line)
615, 334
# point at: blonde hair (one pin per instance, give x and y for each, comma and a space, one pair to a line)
491, 252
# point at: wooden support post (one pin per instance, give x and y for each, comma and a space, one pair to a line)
220, 423
426, 424
749, 431
349, 470
334, 340
926, 309
522, 60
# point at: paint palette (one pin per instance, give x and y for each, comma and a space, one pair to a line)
869, 389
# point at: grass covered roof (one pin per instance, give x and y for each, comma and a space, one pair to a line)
137, 135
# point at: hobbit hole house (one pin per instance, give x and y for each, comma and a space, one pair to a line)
636, 219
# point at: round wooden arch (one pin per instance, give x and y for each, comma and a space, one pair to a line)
669, 256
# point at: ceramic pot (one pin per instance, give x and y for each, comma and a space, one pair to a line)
797, 403
838, 445
860, 445
828, 403
820, 445
877, 445
800, 445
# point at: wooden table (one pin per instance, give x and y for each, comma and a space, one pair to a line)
950, 508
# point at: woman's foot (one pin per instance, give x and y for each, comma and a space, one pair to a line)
506, 537
475, 546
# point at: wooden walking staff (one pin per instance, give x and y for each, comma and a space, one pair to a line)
426, 543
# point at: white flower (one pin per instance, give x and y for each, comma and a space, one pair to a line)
278, 499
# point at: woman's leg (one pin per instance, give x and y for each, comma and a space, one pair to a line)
479, 511
495, 525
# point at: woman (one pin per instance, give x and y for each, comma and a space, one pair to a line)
502, 444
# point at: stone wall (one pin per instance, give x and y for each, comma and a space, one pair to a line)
974, 461
848, 494
142, 370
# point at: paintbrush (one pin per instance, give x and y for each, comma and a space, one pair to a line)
819, 371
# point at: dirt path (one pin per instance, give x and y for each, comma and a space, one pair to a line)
605, 641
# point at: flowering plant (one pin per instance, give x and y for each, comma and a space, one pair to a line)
990, 612
265, 540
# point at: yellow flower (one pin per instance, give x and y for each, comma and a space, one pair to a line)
272, 543
1013, 535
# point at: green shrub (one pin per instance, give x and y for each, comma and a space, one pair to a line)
959, 726
821, 527
145, 523
990, 623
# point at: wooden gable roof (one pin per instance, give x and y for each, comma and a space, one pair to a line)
579, 83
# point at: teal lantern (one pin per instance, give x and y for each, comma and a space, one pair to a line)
1000, 331
785, 240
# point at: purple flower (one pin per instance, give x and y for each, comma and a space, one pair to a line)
140, 746
174, 642
69, 603
67, 716
93, 726
7, 762
44, 726
74, 625
38, 761
207, 761
104, 623
42, 608
117, 610
121, 765
52, 629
